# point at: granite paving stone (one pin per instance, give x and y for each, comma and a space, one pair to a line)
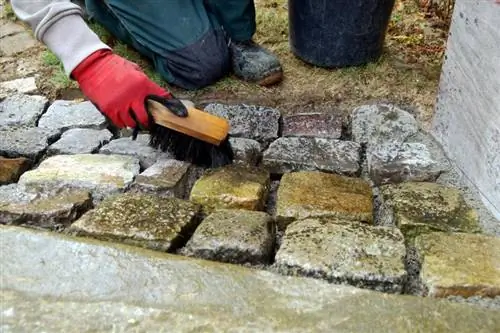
347, 252
21, 110
102, 175
388, 163
140, 219
307, 154
12, 168
234, 236
26, 85
66, 114
307, 194
459, 264
30, 142
246, 151
373, 124
249, 121
45, 209
138, 148
397, 150
313, 124
167, 177
80, 141
421, 207
233, 186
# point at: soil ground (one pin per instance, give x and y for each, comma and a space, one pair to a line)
406, 74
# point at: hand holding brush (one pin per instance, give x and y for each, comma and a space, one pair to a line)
124, 94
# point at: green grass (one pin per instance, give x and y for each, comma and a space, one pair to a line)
59, 78
9, 13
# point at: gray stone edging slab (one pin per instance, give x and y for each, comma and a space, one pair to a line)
58, 283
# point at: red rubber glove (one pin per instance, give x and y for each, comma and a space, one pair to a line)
118, 88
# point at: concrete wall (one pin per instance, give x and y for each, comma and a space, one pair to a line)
467, 116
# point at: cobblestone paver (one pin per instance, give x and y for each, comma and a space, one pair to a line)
80, 141
251, 122
140, 219
314, 124
420, 207
343, 251
21, 110
307, 194
101, 174
167, 177
290, 154
396, 149
459, 264
44, 209
233, 186
246, 151
30, 142
138, 148
64, 115
235, 236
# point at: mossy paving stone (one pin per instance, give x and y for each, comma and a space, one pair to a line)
101, 175
232, 187
235, 236
347, 252
140, 219
48, 209
419, 207
307, 194
459, 264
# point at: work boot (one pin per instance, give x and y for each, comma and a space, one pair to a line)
251, 62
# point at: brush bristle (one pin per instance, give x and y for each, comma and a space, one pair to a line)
189, 149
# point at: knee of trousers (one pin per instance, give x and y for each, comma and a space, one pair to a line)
200, 64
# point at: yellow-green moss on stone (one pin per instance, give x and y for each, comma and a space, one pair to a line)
459, 264
420, 207
98, 173
233, 235
140, 219
47, 210
343, 251
315, 194
232, 187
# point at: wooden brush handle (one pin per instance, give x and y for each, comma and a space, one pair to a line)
198, 124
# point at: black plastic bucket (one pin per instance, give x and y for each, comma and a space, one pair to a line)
338, 33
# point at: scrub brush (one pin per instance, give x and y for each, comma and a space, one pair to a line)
191, 135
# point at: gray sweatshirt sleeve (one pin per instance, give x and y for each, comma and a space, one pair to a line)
59, 24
